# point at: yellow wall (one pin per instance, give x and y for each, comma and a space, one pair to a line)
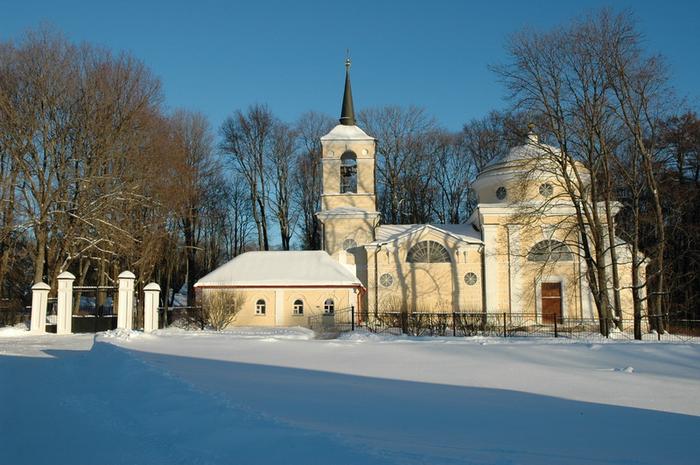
283, 314
432, 287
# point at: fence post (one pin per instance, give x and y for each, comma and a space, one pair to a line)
352, 317
125, 305
64, 317
454, 324
658, 327
40, 297
151, 297
556, 333
504, 324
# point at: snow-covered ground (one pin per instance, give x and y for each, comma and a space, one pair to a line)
279, 396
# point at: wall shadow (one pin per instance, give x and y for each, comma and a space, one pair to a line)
106, 406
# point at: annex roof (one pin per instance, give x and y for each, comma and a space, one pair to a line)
284, 269
391, 232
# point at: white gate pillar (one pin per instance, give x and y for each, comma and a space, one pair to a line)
40, 298
151, 298
125, 303
64, 317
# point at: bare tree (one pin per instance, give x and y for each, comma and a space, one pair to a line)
577, 80
307, 175
220, 308
281, 165
402, 161
248, 138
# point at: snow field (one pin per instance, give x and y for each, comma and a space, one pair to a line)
280, 396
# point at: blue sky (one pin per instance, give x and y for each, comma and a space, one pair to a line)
217, 56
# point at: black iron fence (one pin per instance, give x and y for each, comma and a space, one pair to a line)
464, 324
339, 321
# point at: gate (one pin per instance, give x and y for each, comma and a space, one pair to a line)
93, 310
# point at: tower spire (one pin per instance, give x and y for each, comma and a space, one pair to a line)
347, 113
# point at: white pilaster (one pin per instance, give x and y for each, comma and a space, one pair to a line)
125, 306
515, 261
40, 297
491, 268
64, 317
279, 307
151, 298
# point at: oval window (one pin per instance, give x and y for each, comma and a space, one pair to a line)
470, 278
386, 280
501, 193
546, 190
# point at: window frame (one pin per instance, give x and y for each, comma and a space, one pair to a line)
298, 307
348, 162
550, 251
426, 248
329, 309
261, 309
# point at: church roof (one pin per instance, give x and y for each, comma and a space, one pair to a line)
533, 149
342, 132
391, 232
310, 268
347, 112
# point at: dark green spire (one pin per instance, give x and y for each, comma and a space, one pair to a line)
347, 113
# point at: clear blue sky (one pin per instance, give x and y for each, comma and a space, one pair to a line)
219, 56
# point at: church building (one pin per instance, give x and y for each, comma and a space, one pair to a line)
518, 252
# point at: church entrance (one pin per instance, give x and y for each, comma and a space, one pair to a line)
551, 302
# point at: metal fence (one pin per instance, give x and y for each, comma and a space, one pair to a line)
339, 321
465, 324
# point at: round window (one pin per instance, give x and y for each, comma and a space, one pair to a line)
349, 243
501, 193
546, 190
386, 280
470, 279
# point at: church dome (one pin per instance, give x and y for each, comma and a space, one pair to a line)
521, 156
501, 180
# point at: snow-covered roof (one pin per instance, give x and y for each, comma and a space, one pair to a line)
343, 132
288, 268
391, 232
531, 150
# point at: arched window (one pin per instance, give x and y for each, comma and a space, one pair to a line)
260, 307
328, 307
428, 252
348, 173
298, 307
550, 251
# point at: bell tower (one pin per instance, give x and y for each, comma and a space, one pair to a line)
348, 203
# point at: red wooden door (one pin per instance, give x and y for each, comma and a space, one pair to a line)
551, 302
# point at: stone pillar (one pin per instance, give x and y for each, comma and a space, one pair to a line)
40, 297
64, 317
125, 302
151, 298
